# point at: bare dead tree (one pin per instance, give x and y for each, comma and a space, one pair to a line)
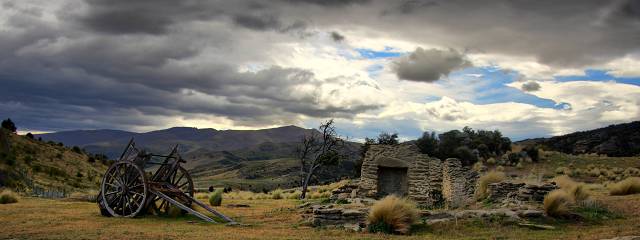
319, 149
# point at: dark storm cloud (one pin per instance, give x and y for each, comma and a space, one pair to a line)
144, 16
337, 37
329, 3
429, 65
530, 86
123, 64
570, 33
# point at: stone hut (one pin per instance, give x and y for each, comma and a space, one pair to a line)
404, 171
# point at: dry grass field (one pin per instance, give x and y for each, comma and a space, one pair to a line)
34, 218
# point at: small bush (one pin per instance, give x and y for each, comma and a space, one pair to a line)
579, 193
485, 180
491, 161
564, 182
556, 203
276, 194
519, 165
625, 187
8, 196
295, 195
560, 170
392, 215
500, 169
478, 167
216, 198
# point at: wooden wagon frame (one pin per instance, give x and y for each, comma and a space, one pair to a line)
144, 183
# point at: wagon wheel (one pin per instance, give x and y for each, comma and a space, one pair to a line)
124, 189
181, 179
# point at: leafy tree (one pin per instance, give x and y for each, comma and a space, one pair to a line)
9, 125
483, 150
388, 138
30, 136
428, 143
532, 152
317, 150
466, 155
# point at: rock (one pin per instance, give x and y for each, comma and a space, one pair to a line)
352, 213
536, 226
531, 214
304, 205
519, 192
238, 205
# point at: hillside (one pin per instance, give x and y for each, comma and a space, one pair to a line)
621, 140
27, 163
255, 159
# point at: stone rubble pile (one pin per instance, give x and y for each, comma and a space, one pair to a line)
508, 191
332, 216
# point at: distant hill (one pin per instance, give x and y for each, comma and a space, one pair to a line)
621, 140
111, 142
25, 163
258, 159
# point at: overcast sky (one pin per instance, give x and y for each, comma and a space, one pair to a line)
528, 68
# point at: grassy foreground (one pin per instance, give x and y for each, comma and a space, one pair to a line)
34, 218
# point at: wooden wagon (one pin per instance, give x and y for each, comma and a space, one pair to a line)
144, 183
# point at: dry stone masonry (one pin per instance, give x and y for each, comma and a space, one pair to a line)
518, 192
402, 170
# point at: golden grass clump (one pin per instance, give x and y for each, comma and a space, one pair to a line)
491, 161
625, 187
8, 196
276, 194
485, 180
392, 215
556, 203
294, 195
478, 166
577, 191
564, 182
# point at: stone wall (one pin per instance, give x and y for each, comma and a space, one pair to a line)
430, 181
458, 183
509, 191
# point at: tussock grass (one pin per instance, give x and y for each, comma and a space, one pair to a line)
556, 203
8, 196
564, 182
91, 196
625, 187
216, 198
276, 194
485, 180
577, 191
294, 195
392, 215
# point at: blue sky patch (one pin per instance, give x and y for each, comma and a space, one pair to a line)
599, 76
372, 54
492, 87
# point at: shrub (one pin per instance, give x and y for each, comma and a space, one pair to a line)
8, 196
295, 195
491, 161
519, 165
216, 198
485, 180
625, 187
500, 169
556, 203
276, 194
564, 182
478, 167
392, 215
560, 170
579, 193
